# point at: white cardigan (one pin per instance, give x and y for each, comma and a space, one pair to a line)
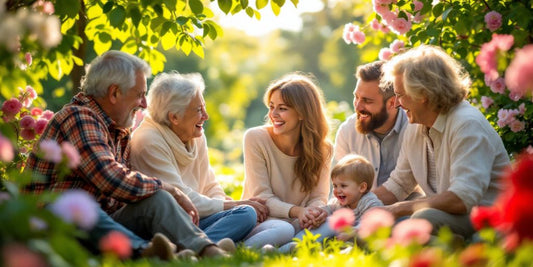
157, 151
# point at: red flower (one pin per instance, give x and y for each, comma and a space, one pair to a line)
474, 255
116, 243
426, 258
482, 217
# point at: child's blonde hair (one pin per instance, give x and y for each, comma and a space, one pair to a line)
356, 167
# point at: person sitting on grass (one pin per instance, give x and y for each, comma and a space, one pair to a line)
352, 178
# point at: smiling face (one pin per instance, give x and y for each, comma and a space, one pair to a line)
371, 110
415, 109
127, 104
190, 125
347, 191
285, 120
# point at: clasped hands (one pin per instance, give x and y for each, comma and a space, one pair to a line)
312, 217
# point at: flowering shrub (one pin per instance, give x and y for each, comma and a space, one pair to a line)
489, 37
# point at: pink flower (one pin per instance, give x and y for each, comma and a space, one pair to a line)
493, 20
6, 150
488, 81
27, 96
27, 134
519, 74
385, 54
486, 101
396, 46
380, 9
517, 126
37, 224
529, 150
418, 17
352, 34
375, 24
474, 255
47, 114
44, 6
72, 154
28, 58
401, 25
418, 5
27, 122
78, 207
427, 257
389, 17
341, 219
382, 2
358, 37
488, 55
384, 28
498, 86
373, 220
116, 243
40, 125
51, 150
11, 107
36, 111
412, 230
515, 96
522, 109
18, 255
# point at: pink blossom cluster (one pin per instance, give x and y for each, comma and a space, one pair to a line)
519, 74
32, 122
392, 19
7, 152
507, 117
78, 207
53, 152
386, 53
488, 56
352, 34
404, 233
493, 20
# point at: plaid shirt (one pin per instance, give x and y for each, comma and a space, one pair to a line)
104, 170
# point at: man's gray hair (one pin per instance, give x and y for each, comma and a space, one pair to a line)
112, 67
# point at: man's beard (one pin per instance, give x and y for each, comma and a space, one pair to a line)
376, 121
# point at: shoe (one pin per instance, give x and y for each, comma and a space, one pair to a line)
160, 247
213, 251
268, 249
186, 254
227, 245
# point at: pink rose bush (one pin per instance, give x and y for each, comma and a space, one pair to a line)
342, 219
493, 20
78, 207
116, 243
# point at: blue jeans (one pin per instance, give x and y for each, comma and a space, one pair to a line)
234, 223
324, 230
106, 224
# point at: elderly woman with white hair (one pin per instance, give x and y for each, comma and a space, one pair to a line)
170, 144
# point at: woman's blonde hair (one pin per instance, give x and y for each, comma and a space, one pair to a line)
301, 93
428, 71
357, 168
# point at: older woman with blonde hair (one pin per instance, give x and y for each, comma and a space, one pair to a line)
170, 144
287, 161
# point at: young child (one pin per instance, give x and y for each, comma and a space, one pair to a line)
352, 178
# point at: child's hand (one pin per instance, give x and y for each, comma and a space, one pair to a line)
314, 217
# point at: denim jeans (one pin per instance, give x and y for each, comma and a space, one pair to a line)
234, 223
106, 224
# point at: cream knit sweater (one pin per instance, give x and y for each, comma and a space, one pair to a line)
269, 174
157, 151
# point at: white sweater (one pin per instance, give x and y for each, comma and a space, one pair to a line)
269, 174
157, 151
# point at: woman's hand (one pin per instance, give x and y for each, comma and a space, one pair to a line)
258, 204
312, 217
183, 200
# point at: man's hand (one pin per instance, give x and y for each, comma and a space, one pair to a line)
258, 204
312, 217
183, 200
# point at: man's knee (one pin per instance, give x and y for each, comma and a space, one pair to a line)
429, 214
161, 197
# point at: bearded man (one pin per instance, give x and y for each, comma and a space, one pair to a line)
376, 129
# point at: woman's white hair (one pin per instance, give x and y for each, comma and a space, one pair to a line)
112, 67
172, 93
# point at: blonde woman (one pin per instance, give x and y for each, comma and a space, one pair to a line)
287, 161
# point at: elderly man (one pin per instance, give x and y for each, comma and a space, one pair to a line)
97, 123
376, 129
449, 149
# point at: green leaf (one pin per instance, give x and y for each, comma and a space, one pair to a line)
135, 15
104, 37
295, 2
250, 12
156, 23
438, 9
186, 45
117, 16
236, 9
170, 4
166, 26
108, 6
198, 50
276, 8
280, 3
181, 20
67, 7
225, 5
158, 9
196, 6
244, 4
261, 3
445, 13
